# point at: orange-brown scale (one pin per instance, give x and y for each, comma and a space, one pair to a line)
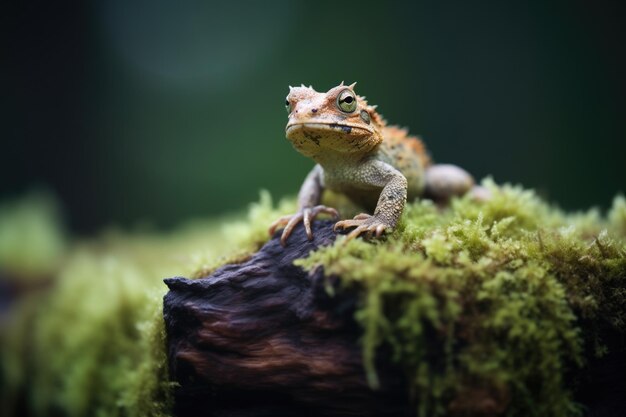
399, 140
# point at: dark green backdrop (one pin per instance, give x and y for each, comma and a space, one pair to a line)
153, 110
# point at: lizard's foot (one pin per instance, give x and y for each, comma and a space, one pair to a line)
364, 223
306, 215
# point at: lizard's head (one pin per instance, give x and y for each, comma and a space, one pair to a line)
338, 120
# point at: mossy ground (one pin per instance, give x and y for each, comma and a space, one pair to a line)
498, 300
91, 342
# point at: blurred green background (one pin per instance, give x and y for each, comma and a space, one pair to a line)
156, 111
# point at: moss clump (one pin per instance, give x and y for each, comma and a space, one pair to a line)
93, 343
487, 306
32, 242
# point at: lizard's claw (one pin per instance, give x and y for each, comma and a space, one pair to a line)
306, 215
364, 223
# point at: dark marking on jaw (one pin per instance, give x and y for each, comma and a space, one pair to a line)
361, 144
312, 137
346, 129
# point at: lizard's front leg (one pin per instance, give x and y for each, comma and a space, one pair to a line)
390, 203
308, 207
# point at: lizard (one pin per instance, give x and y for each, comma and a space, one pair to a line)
376, 165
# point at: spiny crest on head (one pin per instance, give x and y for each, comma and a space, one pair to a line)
351, 86
310, 87
301, 91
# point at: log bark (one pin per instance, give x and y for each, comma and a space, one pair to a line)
264, 338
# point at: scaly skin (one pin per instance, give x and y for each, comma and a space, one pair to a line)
357, 154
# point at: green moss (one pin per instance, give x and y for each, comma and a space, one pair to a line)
617, 215
32, 242
500, 297
239, 238
93, 344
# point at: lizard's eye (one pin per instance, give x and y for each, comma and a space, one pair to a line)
288, 106
346, 101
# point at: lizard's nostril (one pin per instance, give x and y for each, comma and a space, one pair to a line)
313, 110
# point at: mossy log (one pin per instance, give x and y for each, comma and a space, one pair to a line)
507, 307
264, 338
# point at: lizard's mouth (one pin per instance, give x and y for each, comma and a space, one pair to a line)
330, 127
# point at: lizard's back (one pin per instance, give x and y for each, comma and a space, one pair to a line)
408, 155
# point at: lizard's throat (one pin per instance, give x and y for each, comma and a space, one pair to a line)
323, 141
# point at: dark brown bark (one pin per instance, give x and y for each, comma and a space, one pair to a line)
264, 338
